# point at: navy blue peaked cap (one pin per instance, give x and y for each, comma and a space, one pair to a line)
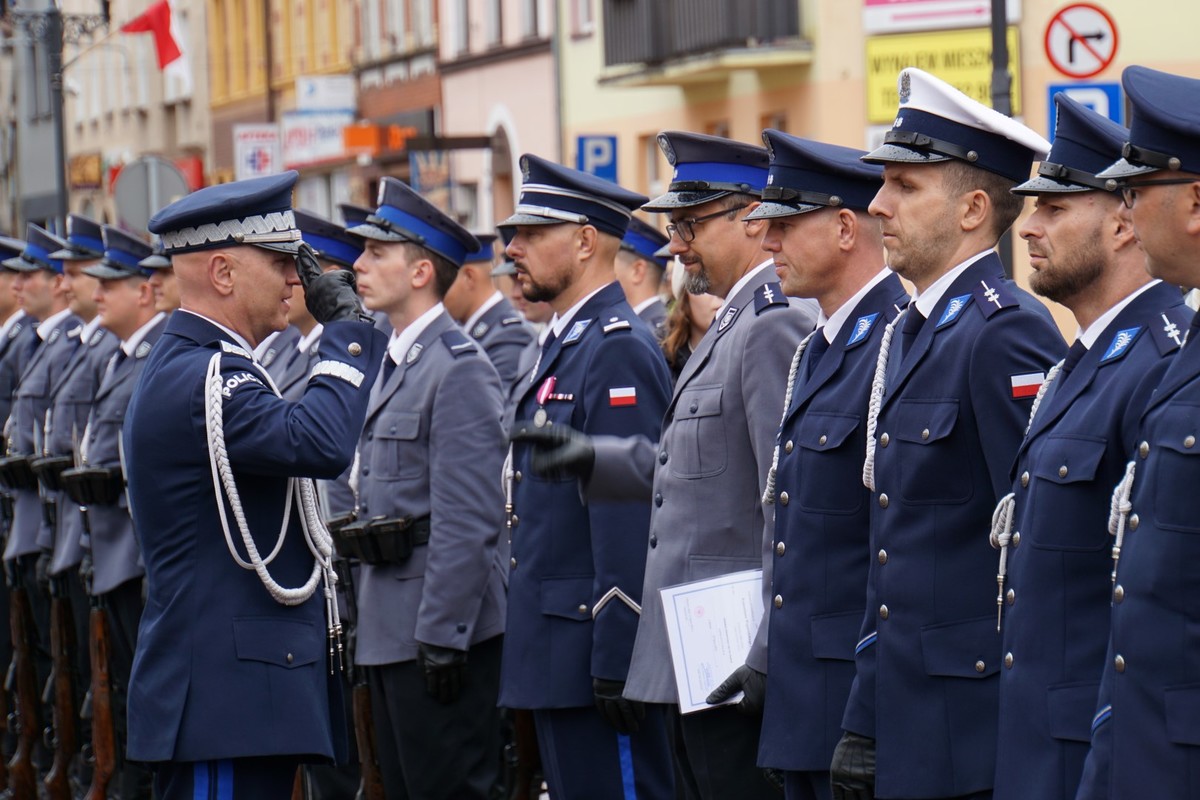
708, 167
157, 259
39, 245
1164, 128
10, 248
807, 175
256, 211
331, 241
1084, 143
123, 254
936, 122
405, 216
84, 240
645, 241
552, 194
486, 253
354, 215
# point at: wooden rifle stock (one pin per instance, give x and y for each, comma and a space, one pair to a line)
103, 731
62, 686
364, 735
22, 776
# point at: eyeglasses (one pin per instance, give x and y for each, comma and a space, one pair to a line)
685, 229
1129, 190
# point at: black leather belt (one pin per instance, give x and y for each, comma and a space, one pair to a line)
379, 540
99, 486
49, 470
16, 473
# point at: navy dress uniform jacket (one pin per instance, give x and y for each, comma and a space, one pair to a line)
1146, 733
115, 555
950, 425
821, 546
568, 556
503, 334
35, 393
432, 446
15, 351
1058, 591
221, 669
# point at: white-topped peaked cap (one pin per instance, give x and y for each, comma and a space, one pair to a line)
936, 122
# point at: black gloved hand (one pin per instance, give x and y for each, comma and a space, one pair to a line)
559, 451
852, 771
751, 682
623, 714
330, 296
445, 671
87, 572
41, 569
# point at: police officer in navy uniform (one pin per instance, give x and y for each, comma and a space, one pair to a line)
1054, 527
486, 315
950, 403
640, 271
431, 600
576, 571
235, 674
1145, 731
162, 280
827, 247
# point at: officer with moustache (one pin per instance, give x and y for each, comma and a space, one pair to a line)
576, 571
234, 677
825, 246
640, 270
1144, 733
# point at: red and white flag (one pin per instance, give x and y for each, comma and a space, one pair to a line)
159, 19
1027, 385
623, 396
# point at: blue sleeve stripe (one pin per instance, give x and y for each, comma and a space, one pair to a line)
625, 753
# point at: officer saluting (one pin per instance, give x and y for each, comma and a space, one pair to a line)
1146, 731
826, 247
234, 678
950, 402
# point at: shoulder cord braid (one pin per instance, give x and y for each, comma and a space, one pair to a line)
1002, 517
1118, 514
316, 535
877, 386
768, 497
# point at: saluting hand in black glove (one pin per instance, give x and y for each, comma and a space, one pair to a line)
752, 684
330, 296
445, 671
559, 451
623, 714
852, 772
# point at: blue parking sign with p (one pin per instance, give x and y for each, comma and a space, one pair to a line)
597, 155
1103, 98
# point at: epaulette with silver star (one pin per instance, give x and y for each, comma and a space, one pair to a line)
1170, 328
767, 296
992, 295
457, 342
234, 350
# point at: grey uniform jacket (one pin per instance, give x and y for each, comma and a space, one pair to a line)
432, 445
503, 334
655, 316
709, 468
291, 379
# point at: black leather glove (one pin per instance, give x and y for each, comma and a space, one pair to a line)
87, 572
751, 682
445, 671
559, 451
41, 569
623, 714
330, 296
852, 772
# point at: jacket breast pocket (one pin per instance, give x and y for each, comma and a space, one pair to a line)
567, 598
1183, 714
282, 642
395, 450
933, 461
35, 384
1177, 474
1065, 469
698, 434
834, 636
963, 649
830, 463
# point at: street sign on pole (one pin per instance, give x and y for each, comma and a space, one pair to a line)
902, 16
597, 155
1081, 40
1103, 98
144, 186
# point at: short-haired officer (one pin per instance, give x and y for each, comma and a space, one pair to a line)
486, 315
430, 511
1145, 731
575, 581
162, 280
825, 246
640, 271
950, 403
1053, 528
235, 674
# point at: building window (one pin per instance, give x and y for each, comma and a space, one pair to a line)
582, 21
653, 163
529, 18
397, 26
462, 27
422, 11
495, 23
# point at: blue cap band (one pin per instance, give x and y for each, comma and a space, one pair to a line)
87, 243
333, 249
424, 234
485, 253
719, 172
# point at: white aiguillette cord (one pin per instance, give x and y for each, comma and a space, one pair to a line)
316, 535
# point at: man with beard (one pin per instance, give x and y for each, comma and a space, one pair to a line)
825, 246
956, 377
576, 568
1053, 530
1144, 735
705, 475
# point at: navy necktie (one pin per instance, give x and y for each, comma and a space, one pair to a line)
389, 366
1076, 352
817, 347
913, 321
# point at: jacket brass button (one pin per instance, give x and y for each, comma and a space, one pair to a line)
515, 520
882, 556
779, 601
783, 498
583, 608
1008, 660
1024, 480
290, 658
884, 439
354, 348
1010, 596
1134, 521
1189, 442
883, 501
1144, 449
883, 612
1062, 471
787, 447
517, 476
1119, 663
512, 563
925, 434
1016, 538
1118, 593
980, 666
823, 439
780, 548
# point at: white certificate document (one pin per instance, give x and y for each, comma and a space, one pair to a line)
711, 625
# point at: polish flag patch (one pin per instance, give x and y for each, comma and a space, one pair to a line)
623, 396
1027, 385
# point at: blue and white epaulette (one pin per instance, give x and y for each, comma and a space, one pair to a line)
992, 295
1170, 328
514, 320
767, 296
616, 323
457, 342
